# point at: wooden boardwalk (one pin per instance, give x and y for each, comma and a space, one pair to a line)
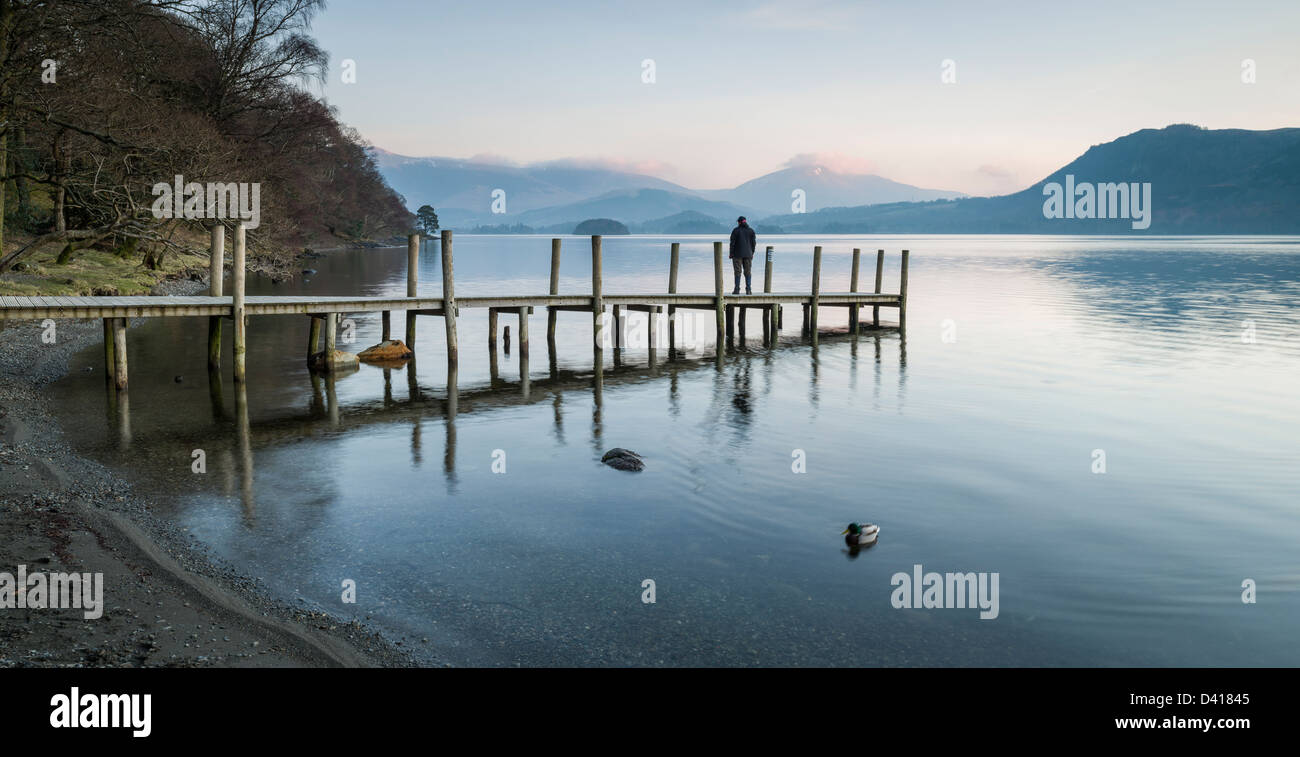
38, 308
323, 310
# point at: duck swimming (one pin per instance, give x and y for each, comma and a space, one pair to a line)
861, 535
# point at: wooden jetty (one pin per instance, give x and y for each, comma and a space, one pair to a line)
217, 307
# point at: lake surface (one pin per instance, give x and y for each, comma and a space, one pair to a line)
972, 443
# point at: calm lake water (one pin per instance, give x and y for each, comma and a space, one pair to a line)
972, 443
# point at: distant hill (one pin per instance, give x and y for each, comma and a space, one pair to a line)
600, 226
1225, 181
461, 190
632, 206
686, 222
822, 188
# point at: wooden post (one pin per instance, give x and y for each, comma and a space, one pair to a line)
217, 253
386, 318
718, 294
902, 296
331, 336
816, 290
313, 338
412, 283
853, 287
767, 271
767, 288
523, 333
551, 313
492, 329
216, 272
237, 304
672, 289
449, 299
110, 362
597, 304
731, 323
880, 272
618, 326
119, 353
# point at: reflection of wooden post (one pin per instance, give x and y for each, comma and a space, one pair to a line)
902, 296
216, 396
449, 445
816, 291
119, 353
618, 326
412, 283
449, 298
720, 304
123, 401
552, 313
880, 272
216, 272
853, 287
523, 349
237, 304
672, 289
245, 450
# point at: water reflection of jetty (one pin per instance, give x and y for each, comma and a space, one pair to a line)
734, 393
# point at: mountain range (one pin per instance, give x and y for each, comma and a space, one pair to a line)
1200, 181
553, 197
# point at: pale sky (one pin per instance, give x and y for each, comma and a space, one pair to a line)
742, 88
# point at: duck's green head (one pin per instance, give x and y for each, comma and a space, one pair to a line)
853, 528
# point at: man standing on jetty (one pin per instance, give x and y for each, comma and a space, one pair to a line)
743, 244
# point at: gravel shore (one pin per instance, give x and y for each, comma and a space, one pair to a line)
166, 603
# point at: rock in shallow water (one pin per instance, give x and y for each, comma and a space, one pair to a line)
393, 349
333, 362
623, 459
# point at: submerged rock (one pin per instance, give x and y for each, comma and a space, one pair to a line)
393, 349
623, 459
332, 362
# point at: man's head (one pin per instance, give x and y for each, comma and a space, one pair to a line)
741, 220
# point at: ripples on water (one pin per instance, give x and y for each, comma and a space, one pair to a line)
973, 455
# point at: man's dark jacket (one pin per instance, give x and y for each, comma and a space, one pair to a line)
743, 242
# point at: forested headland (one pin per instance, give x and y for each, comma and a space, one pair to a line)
103, 100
